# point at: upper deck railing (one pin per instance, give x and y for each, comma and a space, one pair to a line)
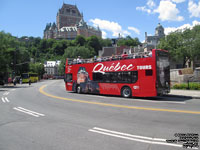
72, 61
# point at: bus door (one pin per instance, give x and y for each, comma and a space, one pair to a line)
68, 81
163, 72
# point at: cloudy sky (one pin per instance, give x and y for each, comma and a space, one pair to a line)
114, 17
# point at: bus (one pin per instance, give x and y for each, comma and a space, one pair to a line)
33, 77
134, 76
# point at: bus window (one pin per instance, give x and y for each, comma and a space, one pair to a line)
148, 72
116, 77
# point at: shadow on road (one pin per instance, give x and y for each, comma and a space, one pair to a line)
168, 98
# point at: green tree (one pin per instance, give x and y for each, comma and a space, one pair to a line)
74, 52
183, 44
37, 68
80, 40
128, 41
94, 43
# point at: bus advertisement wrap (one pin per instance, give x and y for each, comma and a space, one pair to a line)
139, 77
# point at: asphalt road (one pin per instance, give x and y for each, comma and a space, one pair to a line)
44, 116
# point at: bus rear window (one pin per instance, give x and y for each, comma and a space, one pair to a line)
68, 77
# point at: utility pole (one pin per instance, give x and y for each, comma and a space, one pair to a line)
14, 62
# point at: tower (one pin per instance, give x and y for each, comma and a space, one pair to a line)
68, 15
159, 31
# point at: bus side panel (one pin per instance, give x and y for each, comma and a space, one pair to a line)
68, 86
109, 89
146, 78
147, 83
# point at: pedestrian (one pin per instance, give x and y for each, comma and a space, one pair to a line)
124, 55
20, 80
14, 81
79, 61
29, 82
150, 53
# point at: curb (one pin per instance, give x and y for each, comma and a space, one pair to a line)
183, 96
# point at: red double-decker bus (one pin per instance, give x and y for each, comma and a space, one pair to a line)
134, 75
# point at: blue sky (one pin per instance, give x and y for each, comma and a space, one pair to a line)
127, 17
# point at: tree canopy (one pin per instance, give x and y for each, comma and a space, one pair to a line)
183, 45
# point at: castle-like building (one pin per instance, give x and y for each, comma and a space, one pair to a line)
69, 24
154, 40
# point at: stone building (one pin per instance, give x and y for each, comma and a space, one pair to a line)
51, 68
151, 41
69, 24
154, 40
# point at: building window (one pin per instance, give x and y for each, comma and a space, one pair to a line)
73, 11
68, 10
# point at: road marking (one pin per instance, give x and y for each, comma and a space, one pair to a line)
6, 93
131, 137
3, 100
35, 114
6, 99
115, 105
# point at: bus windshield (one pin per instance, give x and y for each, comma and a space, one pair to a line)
25, 75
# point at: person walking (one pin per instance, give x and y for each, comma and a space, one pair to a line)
29, 82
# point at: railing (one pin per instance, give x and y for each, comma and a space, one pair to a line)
108, 58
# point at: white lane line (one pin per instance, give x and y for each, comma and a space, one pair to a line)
6, 99
130, 135
31, 111
35, 114
25, 112
3, 100
136, 138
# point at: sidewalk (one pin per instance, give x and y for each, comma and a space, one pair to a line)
11, 85
185, 93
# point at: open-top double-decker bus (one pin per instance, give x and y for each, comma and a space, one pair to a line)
135, 75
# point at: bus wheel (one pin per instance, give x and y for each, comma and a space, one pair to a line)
126, 92
78, 89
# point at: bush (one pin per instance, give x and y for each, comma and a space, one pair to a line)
192, 86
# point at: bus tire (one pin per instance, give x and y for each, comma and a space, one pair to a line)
78, 89
126, 92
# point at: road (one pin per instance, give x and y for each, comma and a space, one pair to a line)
44, 116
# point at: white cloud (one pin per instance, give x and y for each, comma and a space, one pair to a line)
178, 1
194, 9
113, 27
168, 11
151, 3
144, 9
104, 35
137, 31
183, 27
148, 8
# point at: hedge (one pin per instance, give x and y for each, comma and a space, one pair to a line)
192, 86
